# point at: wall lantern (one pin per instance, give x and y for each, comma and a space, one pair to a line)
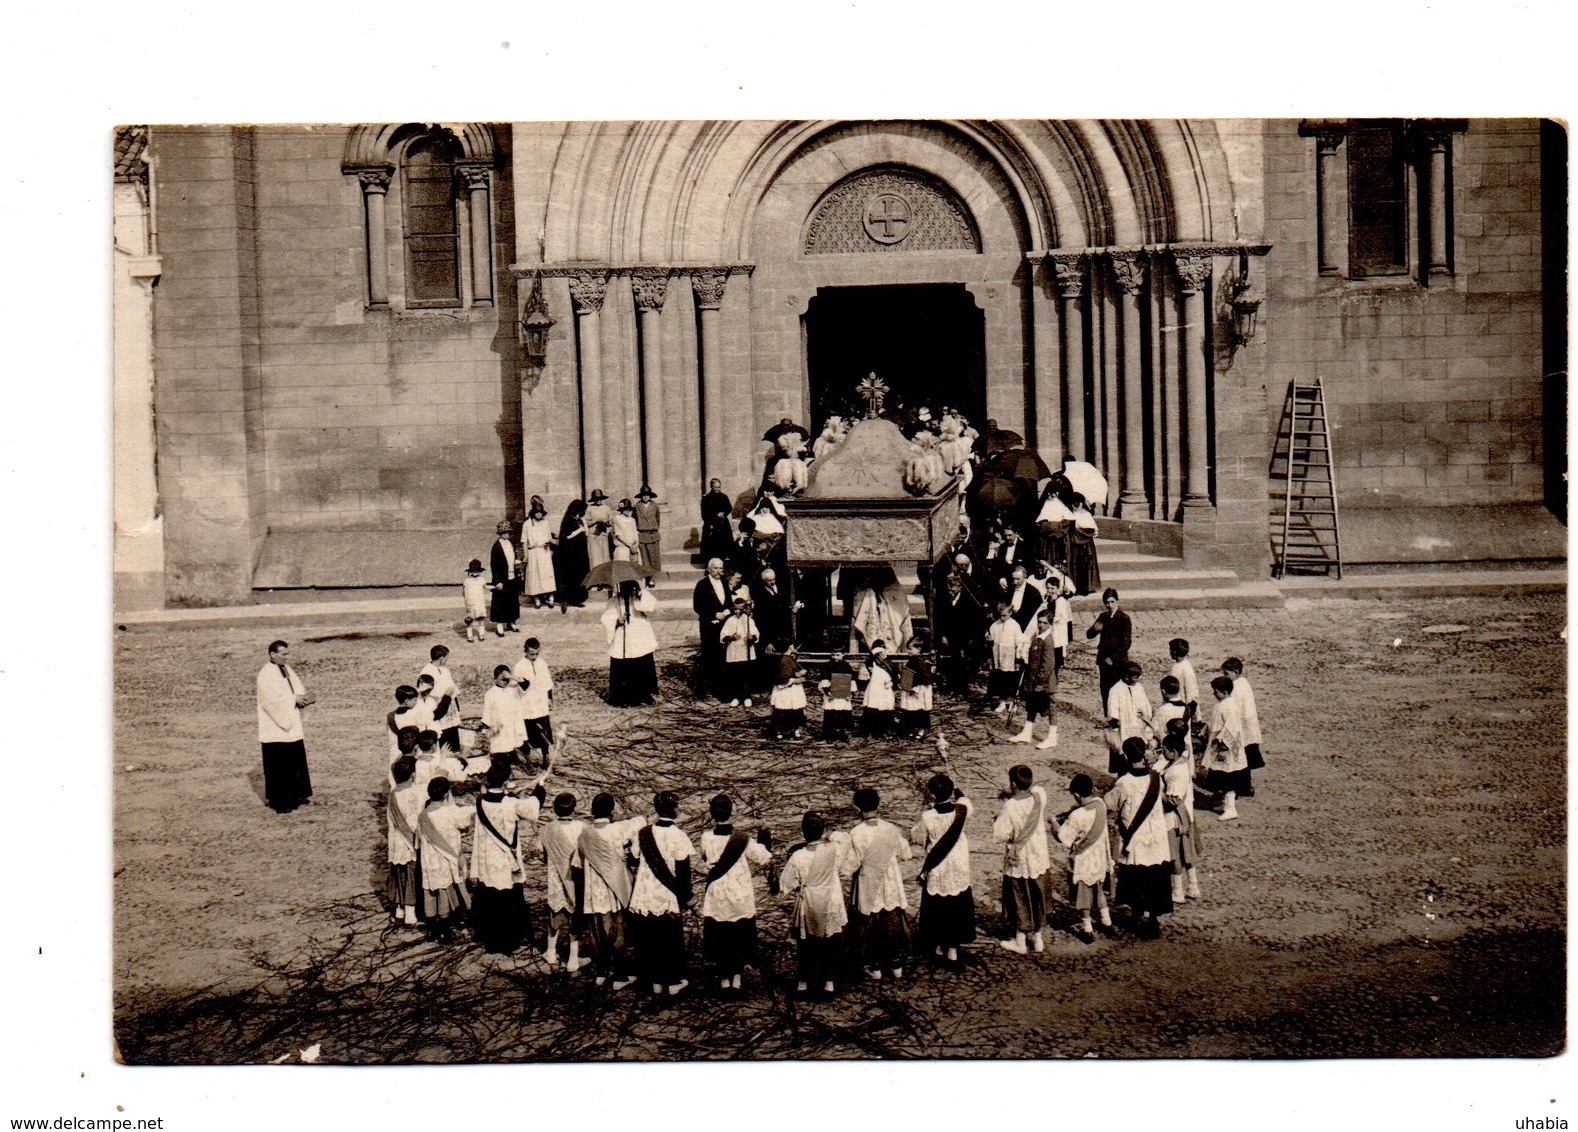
535, 324
1242, 307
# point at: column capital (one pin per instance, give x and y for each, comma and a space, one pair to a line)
1328, 133
475, 176
709, 286
1128, 268
1432, 134
1068, 274
1192, 271
374, 180
650, 287
587, 289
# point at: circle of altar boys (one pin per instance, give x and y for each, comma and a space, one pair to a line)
470, 812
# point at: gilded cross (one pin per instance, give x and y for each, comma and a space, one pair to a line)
872, 389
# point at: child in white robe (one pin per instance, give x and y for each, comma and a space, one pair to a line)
1083, 832
602, 888
658, 897
876, 893
838, 711
788, 699
876, 712
1233, 669
474, 590
502, 717
1128, 716
440, 854
560, 838
816, 923
497, 865
403, 807
1178, 795
1172, 707
947, 906
1226, 765
1183, 671
728, 902
1021, 827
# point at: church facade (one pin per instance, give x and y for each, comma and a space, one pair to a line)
386, 337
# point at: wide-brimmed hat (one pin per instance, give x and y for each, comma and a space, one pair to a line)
597, 493
474, 566
503, 527
646, 493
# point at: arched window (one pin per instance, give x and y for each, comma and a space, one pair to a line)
427, 206
432, 235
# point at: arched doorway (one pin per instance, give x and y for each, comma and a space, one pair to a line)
926, 340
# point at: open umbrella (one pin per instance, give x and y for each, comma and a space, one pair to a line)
1002, 439
613, 574
1085, 479
994, 492
1019, 464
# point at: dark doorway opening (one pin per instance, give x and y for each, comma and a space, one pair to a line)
927, 341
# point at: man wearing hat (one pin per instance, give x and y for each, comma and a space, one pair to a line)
599, 518
648, 546
505, 581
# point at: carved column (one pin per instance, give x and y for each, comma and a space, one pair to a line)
1434, 139
709, 287
1047, 397
476, 178
375, 194
587, 290
1129, 271
1069, 277
650, 287
1332, 195
1193, 271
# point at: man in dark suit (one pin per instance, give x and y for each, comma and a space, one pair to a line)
772, 610
711, 605
1013, 552
1023, 598
961, 621
1112, 650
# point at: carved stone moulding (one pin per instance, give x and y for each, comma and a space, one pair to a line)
890, 209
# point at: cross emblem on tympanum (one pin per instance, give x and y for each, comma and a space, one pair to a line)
887, 218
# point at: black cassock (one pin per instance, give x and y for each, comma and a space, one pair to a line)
717, 539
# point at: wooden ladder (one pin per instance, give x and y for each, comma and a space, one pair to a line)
1304, 537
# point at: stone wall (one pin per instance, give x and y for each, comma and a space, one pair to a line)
1434, 391
284, 402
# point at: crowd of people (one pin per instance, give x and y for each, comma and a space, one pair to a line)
547, 567
461, 824
467, 823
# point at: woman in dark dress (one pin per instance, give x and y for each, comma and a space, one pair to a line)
717, 539
570, 557
505, 567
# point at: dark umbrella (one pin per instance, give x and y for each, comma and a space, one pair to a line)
1018, 464
1002, 439
612, 574
994, 492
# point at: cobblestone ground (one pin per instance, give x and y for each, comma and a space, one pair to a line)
1396, 887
